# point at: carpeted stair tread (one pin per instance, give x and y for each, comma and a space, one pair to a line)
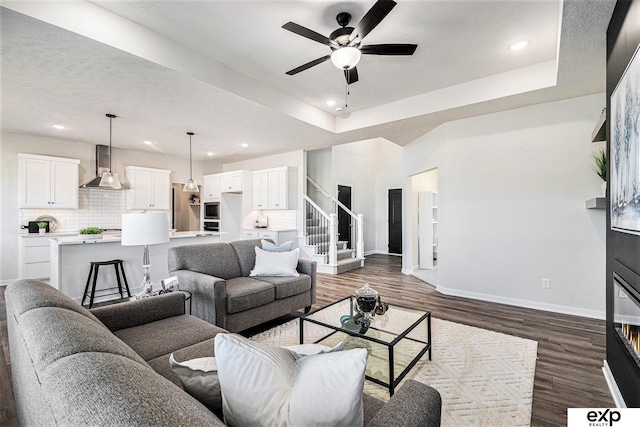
348, 264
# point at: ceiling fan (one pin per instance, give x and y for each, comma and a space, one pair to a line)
346, 42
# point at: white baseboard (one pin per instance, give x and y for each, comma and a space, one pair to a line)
381, 252
594, 314
5, 282
613, 386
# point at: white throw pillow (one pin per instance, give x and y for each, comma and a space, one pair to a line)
309, 349
271, 247
199, 378
267, 386
275, 263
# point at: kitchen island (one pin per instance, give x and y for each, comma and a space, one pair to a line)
71, 258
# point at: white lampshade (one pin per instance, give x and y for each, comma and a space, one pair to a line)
110, 180
346, 57
144, 229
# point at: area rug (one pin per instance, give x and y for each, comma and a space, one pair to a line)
485, 378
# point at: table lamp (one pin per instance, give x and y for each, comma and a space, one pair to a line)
145, 229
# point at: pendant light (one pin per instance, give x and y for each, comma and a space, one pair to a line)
110, 179
190, 186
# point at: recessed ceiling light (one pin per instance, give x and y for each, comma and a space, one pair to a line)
59, 126
209, 153
338, 109
148, 142
244, 145
330, 102
519, 45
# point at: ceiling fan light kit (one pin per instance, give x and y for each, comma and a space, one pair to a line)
346, 57
346, 42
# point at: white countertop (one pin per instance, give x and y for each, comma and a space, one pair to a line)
111, 238
271, 229
49, 235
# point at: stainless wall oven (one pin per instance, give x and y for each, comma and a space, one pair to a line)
211, 210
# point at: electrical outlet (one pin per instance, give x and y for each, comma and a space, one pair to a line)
545, 283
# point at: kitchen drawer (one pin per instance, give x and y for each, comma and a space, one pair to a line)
35, 241
269, 235
37, 270
36, 254
250, 234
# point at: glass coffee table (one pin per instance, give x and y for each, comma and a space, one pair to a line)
395, 340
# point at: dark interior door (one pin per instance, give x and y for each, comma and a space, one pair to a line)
395, 221
344, 219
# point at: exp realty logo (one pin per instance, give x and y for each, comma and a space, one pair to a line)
603, 417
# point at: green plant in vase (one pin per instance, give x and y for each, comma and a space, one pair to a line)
42, 227
599, 166
90, 233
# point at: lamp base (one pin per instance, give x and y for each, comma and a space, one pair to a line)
147, 284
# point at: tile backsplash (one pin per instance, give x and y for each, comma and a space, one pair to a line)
281, 218
97, 208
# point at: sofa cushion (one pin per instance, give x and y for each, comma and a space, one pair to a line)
166, 336
245, 251
217, 259
244, 293
54, 333
102, 389
275, 263
29, 294
288, 286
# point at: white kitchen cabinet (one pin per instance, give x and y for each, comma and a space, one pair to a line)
149, 188
274, 188
34, 255
211, 188
232, 182
278, 236
47, 182
260, 181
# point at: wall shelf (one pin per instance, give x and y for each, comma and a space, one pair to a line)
600, 131
596, 203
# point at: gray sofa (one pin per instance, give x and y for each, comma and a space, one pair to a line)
217, 274
109, 366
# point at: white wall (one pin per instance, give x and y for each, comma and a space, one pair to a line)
11, 144
512, 192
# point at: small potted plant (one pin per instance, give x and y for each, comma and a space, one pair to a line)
90, 233
42, 227
599, 166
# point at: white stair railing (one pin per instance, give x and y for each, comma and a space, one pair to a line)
359, 218
325, 242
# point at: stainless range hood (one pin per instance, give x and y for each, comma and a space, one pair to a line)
102, 165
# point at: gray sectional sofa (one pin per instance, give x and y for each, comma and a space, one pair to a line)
217, 274
109, 366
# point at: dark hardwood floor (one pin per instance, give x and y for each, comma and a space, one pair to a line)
571, 349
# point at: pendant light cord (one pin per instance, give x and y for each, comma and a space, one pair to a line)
190, 161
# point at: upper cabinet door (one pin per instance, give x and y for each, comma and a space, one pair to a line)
47, 182
64, 185
161, 189
278, 189
211, 188
148, 188
34, 183
260, 190
231, 183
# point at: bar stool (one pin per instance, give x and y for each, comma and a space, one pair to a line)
95, 266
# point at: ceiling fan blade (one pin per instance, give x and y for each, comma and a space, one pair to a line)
351, 75
308, 65
372, 18
388, 49
310, 34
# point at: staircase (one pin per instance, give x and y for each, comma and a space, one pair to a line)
321, 243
